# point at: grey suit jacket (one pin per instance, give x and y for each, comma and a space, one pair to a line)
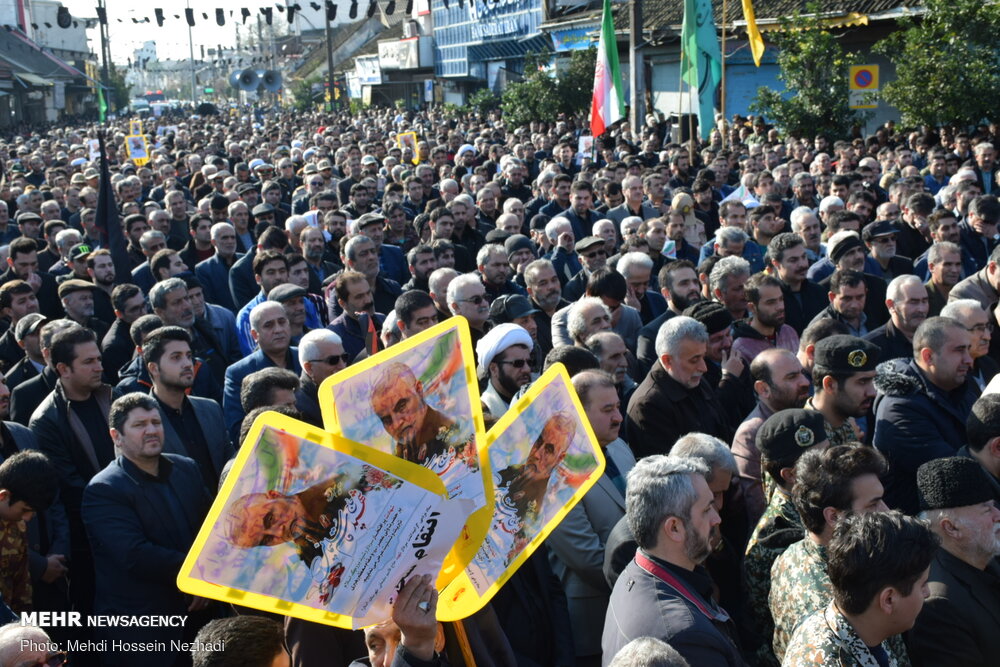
213, 426
576, 553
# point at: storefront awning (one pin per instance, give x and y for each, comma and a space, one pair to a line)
842, 21
27, 78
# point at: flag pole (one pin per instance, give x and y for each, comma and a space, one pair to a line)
680, 98
722, 95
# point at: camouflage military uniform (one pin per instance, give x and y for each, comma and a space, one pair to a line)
779, 527
838, 436
15, 583
799, 586
826, 638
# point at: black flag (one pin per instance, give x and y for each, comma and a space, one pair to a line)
109, 222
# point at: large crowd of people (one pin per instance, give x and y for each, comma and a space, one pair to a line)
784, 347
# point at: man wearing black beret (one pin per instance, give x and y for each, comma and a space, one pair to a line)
782, 439
843, 376
922, 406
958, 624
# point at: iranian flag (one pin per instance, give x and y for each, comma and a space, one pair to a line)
608, 104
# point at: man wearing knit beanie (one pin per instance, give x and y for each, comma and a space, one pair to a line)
959, 621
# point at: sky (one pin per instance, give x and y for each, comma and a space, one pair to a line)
172, 39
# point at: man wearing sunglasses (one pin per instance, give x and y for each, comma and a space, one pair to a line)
321, 354
505, 361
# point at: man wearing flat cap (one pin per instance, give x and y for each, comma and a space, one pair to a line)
880, 239
922, 406
783, 438
504, 355
843, 377
847, 252
77, 297
593, 255
959, 622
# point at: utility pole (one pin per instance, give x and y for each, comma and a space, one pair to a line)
636, 70
105, 55
329, 63
194, 78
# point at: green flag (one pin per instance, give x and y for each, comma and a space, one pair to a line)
702, 67
102, 106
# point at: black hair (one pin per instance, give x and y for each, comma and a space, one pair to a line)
155, 342
665, 279
574, 358
123, 405
31, 477
782, 242
264, 257
825, 479
142, 326
255, 392
877, 550
245, 641
252, 415
63, 350
409, 302
605, 281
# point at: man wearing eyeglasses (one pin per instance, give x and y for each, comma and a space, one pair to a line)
321, 354
505, 359
980, 326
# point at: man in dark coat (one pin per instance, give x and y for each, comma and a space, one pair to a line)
908, 303
142, 513
665, 592
958, 623
675, 398
922, 406
803, 298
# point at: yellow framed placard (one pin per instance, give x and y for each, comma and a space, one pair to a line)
544, 459
419, 400
310, 525
408, 140
136, 149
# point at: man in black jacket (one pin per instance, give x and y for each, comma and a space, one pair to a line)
321, 354
26, 396
907, 301
675, 398
957, 625
142, 512
665, 592
803, 298
71, 425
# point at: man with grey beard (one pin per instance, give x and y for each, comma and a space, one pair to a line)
545, 292
958, 624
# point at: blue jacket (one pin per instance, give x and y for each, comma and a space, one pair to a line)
142, 277
242, 286
140, 530
751, 253
214, 276
392, 263
247, 343
232, 409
